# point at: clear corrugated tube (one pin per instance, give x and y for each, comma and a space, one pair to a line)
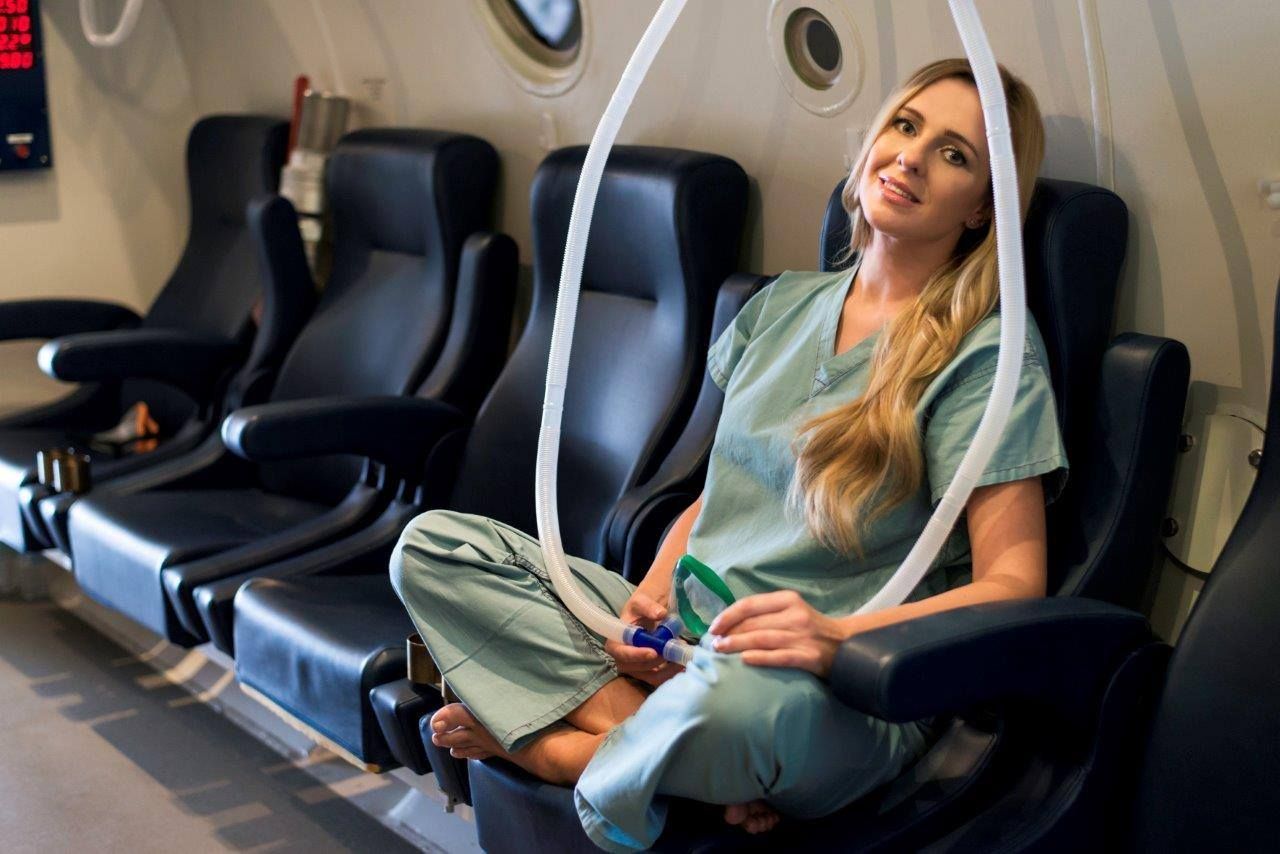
1013, 315
665, 638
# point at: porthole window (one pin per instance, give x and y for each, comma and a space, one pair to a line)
817, 53
543, 42
813, 48
550, 31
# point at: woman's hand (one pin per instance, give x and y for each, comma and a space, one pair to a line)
636, 661
779, 629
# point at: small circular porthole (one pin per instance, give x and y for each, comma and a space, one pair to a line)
549, 31
817, 53
813, 48
542, 41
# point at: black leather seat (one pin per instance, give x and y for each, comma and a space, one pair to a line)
320, 631
1121, 408
1169, 752
177, 357
403, 204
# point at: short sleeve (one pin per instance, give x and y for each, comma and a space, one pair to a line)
1032, 441
727, 350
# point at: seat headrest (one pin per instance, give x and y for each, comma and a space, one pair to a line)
652, 202
1073, 244
230, 160
385, 187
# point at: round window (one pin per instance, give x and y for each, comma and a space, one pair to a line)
542, 43
813, 48
548, 31
817, 53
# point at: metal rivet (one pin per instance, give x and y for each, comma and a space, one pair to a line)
1186, 442
1255, 457
1170, 527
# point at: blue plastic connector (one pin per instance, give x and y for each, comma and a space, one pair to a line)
656, 640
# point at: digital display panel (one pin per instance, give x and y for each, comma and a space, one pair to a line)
24, 114
17, 41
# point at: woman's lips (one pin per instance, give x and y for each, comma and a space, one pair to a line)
896, 193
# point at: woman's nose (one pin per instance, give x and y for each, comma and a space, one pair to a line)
909, 158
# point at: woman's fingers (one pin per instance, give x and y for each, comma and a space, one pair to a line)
797, 658
644, 607
631, 658
752, 606
785, 619
761, 639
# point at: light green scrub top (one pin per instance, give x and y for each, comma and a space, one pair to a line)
778, 368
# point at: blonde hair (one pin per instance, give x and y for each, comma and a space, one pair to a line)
860, 460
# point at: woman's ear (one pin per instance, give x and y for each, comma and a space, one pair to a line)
979, 217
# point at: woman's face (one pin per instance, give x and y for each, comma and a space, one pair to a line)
927, 177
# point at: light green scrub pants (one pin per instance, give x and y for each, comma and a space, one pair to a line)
721, 732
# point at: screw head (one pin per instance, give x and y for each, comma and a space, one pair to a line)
1169, 528
1186, 442
1255, 457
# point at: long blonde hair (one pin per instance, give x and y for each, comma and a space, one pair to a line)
860, 460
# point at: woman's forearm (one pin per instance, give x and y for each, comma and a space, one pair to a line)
657, 581
994, 589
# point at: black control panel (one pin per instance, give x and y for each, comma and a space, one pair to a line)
24, 111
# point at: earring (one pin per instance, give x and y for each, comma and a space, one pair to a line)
975, 222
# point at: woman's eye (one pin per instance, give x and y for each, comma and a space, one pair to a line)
954, 156
905, 126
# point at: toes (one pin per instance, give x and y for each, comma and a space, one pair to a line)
460, 737
755, 817
762, 818
450, 717
470, 753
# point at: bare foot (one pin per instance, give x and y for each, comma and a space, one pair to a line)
456, 728
755, 817
557, 755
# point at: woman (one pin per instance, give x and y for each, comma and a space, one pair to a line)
850, 399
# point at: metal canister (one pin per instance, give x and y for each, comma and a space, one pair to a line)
71, 473
46, 463
422, 668
323, 120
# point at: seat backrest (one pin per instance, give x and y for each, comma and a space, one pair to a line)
665, 233
1208, 782
403, 201
1073, 245
230, 160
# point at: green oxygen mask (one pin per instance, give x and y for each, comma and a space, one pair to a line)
700, 594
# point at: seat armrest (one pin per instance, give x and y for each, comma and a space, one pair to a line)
397, 431
53, 318
644, 513
480, 327
289, 291
190, 361
1055, 652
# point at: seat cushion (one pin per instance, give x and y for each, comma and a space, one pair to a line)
513, 808
315, 646
17, 467
121, 543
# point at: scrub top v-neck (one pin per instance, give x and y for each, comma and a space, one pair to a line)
778, 368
